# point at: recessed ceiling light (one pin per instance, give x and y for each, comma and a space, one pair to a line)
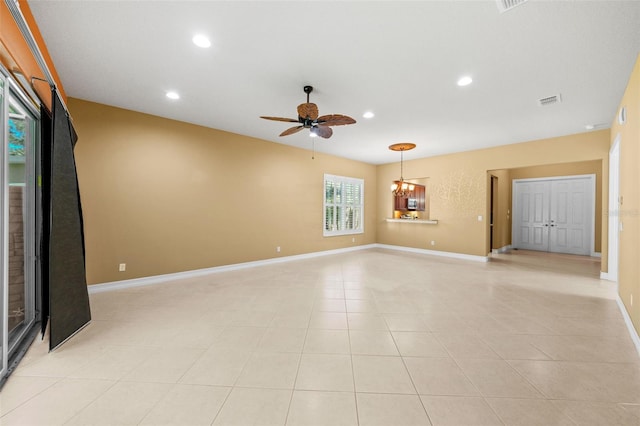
590, 127
201, 41
173, 95
465, 81
368, 114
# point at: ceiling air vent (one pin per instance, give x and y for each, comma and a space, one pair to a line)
504, 5
550, 100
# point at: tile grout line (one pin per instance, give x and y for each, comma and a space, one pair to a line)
410, 377
353, 371
480, 394
295, 380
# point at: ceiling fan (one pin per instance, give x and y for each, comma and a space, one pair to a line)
308, 119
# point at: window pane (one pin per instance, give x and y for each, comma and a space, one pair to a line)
357, 217
328, 192
17, 125
349, 218
349, 193
19, 193
328, 218
343, 205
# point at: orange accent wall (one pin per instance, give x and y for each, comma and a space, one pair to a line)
16, 56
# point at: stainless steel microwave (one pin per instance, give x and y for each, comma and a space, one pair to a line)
412, 203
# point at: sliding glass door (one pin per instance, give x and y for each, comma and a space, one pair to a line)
20, 139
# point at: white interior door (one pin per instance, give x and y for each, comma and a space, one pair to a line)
531, 218
569, 220
554, 214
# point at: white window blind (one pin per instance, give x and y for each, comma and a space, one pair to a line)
343, 205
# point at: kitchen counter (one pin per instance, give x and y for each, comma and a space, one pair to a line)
423, 221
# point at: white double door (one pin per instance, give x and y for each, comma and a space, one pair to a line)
555, 214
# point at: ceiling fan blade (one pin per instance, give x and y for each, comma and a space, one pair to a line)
288, 120
308, 110
291, 130
335, 120
323, 131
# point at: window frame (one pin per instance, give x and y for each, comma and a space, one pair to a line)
342, 180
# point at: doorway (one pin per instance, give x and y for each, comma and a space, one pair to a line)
19, 123
493, 211
554, 214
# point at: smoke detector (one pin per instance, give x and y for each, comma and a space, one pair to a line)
549, 100
505, 5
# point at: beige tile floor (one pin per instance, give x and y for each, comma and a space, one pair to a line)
366, 338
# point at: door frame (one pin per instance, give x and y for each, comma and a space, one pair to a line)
613, 212
493, 210
13, 347
592, 207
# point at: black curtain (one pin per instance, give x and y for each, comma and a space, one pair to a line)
68, 295
44, 213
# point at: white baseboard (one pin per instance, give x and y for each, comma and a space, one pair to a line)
596, 254
157, 279
503, 249
605, 276
627, 320
436, 253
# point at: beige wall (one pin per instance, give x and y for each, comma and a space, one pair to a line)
459, 186
164, 196
160, 196
629, 209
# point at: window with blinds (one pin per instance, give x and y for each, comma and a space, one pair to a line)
343, 205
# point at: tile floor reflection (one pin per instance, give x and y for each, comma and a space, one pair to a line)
373, 337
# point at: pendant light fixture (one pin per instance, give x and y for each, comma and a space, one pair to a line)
400, 188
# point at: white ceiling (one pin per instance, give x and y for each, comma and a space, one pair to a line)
400, 60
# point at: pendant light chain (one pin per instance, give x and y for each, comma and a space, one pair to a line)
399, 188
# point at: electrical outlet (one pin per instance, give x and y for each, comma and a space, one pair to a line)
433, 243
479, 218
278, 249
122, 267
353, 240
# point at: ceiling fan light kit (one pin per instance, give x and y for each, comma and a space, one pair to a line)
309, 118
